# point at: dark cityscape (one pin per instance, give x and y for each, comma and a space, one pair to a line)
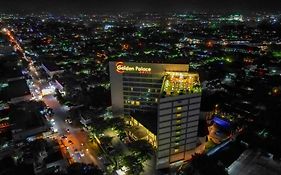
186, 87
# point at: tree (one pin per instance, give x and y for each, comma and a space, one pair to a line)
106, 140
117, 157
142, 149
59, 97
122, 135
117, 123
83, 169
134, 164
99, 96
99, 125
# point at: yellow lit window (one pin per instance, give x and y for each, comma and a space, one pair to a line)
177, 138
176, 150
148, 90
178, 132
137, 103
156, 100
177, 143
178, 121
179, 108
132, 102
178, 115
132, 89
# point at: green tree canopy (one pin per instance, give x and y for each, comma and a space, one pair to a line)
134, 164
142, 149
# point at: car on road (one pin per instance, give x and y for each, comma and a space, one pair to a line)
68, 120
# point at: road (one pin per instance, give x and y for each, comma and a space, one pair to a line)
76, 141
75, 144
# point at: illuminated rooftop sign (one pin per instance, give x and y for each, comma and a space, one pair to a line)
121, 68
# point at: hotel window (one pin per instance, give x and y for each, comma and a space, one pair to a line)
177, 143
137, 103
179, 108
156, 100
148, 90
132, 102
132, 89
177, 138
176, 150
178, 132
178, 121
178, 115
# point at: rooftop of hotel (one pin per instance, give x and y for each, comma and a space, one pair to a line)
179, 83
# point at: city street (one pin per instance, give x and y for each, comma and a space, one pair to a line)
75, 141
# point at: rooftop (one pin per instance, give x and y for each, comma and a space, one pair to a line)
178, 83
17, 88
251, 162
26, 116
9, 68
51, 66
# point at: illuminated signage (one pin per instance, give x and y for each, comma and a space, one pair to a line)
121, 68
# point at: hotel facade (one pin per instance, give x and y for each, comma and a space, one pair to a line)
161, 102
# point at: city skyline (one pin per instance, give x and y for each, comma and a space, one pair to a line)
96, 6
125, 93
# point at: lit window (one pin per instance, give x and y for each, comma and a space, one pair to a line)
178, 121
148, 90
176, 150
177, 143
156, 100
178, 132
179, 108
137, 103
178, 115
132, 102
177, 138
132, 89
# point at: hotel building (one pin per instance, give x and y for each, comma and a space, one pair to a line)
161, 102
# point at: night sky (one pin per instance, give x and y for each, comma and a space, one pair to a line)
92, 6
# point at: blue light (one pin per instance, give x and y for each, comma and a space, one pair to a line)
221, 122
